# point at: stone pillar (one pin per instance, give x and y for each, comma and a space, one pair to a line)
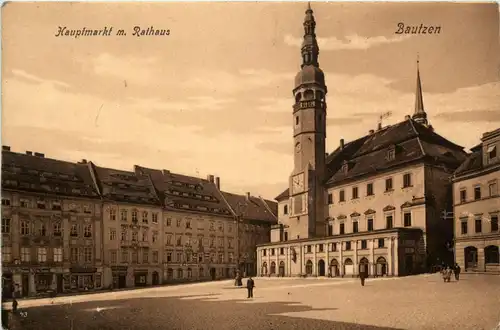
268, 261
396, 256
356, 265
32, 286
341, 260
389, 256
481, 266
287, 261
277, 262
373, 265
315, 260
327, 261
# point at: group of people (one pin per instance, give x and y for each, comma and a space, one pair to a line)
448, 271
250, 283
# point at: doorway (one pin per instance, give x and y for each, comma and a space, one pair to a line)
122, 281
59, 283
25, 285
409, 264
212, 273
155, 278
321, 267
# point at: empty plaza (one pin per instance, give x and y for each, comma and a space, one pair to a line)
418, 302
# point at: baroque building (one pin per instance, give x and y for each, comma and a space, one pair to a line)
477, 207
51, 225
375, 203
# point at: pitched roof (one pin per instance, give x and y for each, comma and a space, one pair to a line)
125, 186
252, 208
186, 193
474, 162
45, 175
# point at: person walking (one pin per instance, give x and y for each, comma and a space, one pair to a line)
250, 286
362, 276
457, 270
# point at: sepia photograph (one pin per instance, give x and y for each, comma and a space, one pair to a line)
250, 165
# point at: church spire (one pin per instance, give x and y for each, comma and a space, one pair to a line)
310, 49
420, 116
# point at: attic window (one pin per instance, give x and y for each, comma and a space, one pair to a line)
492, 152
391, 153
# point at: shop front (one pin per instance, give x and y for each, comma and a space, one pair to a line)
140, 277
43, 280
119, 276
84, 279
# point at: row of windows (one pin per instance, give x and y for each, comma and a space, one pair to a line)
478, 225
134, 256
42, 229
189, 273
135, 215
333, 247
77, 254
45, 205
389, 224
478, 193
135, 235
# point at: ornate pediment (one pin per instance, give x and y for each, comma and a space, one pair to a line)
340, 217
389, 208
355, 214
369, 211
406, 204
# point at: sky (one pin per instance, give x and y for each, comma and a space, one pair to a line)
215, 95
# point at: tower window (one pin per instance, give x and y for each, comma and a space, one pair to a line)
296, 120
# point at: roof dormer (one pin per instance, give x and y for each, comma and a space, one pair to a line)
392, 151
347, 166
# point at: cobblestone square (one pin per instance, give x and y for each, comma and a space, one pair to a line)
419, 302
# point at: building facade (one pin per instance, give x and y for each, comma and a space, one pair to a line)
374, 204
51, 225
477, 207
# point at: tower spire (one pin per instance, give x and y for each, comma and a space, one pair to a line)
310, 49
420, 116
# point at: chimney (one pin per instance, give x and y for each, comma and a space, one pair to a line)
37, 154
341, 144
29, 153
83, 161
210, 178
379, 126
5, 148
165, 172
407, 117
371, 131
248, 196
217, 182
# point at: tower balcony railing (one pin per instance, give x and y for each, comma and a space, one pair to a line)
308, 104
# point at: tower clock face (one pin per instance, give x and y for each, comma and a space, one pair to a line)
298, 183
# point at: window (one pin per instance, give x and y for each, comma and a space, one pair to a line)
369, 189
330, 230
145, 256
124, 215
42, 230
355, 226
348, 246
388, 221
123, 235
112, 214
169, 222
221, 242
155, 236
74, 255
330, 198
179, 221
407, 180
381, 242
113, 257
154, 217
463, 196
369, 224
188, 224
135, 236
492, 152
5, 202
42, 255
24, 203
463, 226
135, 257
286, 236
87, 254
478, 225
169, 256
145, 216
87, 230
56, 206
86, 209
134, 216
477, 192
179, 240
155, 257
296, 120
5, 225
341, 196
355, 192
388, 184
25, 254
407, 219
144, 236
179, 256
364, 244
212, 226
285, 209
112, 234
308, 249
58, 255
124, 256
169, 239
493, 188
6, 253
342, 229
264, 252
25, 228
221, 227
57, 229
391, 154
230, 227
40, 205
334, 247
494, 222
221, 258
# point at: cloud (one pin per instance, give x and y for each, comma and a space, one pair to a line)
348, 42
23, 75
189, 103
473, 116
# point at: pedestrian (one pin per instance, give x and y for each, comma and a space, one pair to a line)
250, 286
457, 270
362, 276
